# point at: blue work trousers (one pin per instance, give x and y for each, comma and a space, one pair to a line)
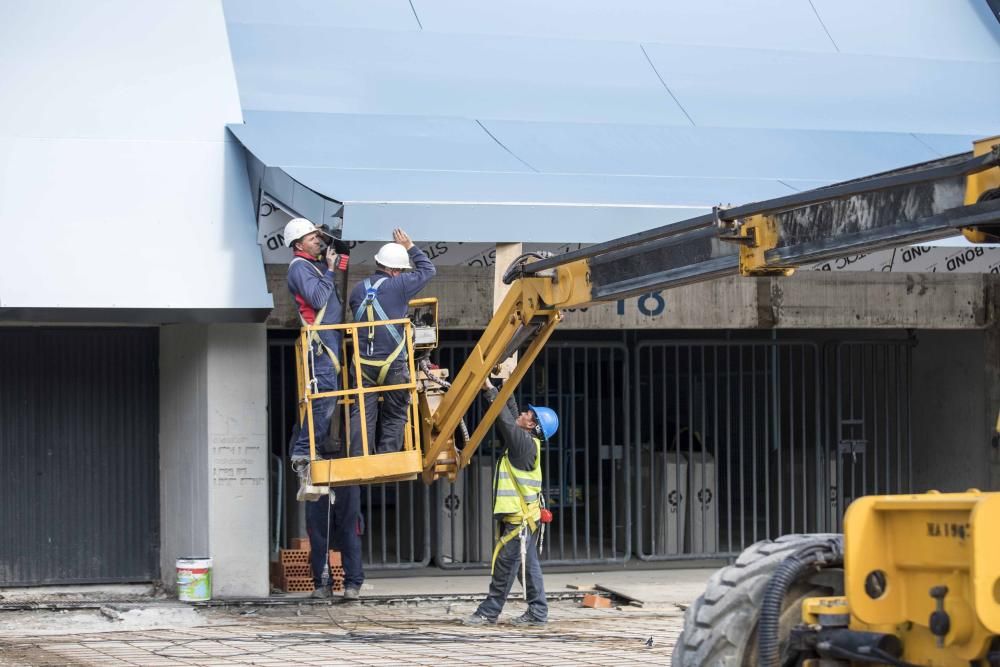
326, 380
340, 526
386, 418
508, 568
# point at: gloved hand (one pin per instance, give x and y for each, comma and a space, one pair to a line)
335, 261
489, 391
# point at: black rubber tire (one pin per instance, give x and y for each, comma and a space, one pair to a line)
720, 627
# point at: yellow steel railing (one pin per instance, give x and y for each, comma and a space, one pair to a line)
367, 467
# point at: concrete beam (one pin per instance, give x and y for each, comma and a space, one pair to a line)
465, 294
867, 300
806, 300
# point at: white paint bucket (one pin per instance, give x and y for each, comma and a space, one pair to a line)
194, 579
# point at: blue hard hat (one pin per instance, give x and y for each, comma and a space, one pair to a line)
547, 419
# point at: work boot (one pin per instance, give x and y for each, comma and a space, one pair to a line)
322, 593
476, 619
351, 593
526, 619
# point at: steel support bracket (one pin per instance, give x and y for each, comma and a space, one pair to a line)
982, 186
756, 235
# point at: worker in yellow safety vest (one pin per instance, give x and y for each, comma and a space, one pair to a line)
518, 507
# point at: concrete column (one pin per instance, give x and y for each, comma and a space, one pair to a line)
213, 453
506, 253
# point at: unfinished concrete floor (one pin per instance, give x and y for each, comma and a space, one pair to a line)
398, 625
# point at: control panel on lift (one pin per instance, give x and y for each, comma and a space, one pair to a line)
424, 318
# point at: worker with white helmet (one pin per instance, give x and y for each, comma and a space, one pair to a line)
311, 282
403, 270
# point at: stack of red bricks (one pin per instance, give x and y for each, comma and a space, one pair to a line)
292, 572
336, 571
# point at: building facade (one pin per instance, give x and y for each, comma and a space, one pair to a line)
151, 156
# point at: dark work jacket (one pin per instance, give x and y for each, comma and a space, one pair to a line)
394, 296
311, 284
519, 443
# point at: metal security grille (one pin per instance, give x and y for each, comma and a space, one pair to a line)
281, 418
397, 518
397, 531
673, 450
586, 467
727, 445
78, 455
741, 441
868, 441
461, 510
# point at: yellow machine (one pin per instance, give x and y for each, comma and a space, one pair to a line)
938, 587
915, 579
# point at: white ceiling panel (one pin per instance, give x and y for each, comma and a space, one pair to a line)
296, 68
358, 141
779, 24
780, 89
115, 69
379, 14
586, 118
709, 152
468, 206
116, 166
129, 224
928, 29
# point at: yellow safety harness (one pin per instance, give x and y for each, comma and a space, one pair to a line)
368, 309
313, 336
527, 513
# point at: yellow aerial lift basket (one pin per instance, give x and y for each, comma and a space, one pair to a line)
367, 467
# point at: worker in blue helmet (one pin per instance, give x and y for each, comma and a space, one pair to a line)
519, 510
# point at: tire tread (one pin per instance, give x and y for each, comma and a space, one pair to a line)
718, 625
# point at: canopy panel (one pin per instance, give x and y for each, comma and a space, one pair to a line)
572, 121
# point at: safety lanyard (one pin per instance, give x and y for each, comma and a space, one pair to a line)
313, 336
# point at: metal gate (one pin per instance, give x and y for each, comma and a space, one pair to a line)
868, 448
741, 441
397, 515
678, 450
586, 467
78, 455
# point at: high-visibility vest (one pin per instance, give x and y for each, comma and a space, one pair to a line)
518, 491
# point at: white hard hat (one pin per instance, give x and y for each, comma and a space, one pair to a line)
297, 228
393, 256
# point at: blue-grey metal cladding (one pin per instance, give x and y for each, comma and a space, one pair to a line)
78, 455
